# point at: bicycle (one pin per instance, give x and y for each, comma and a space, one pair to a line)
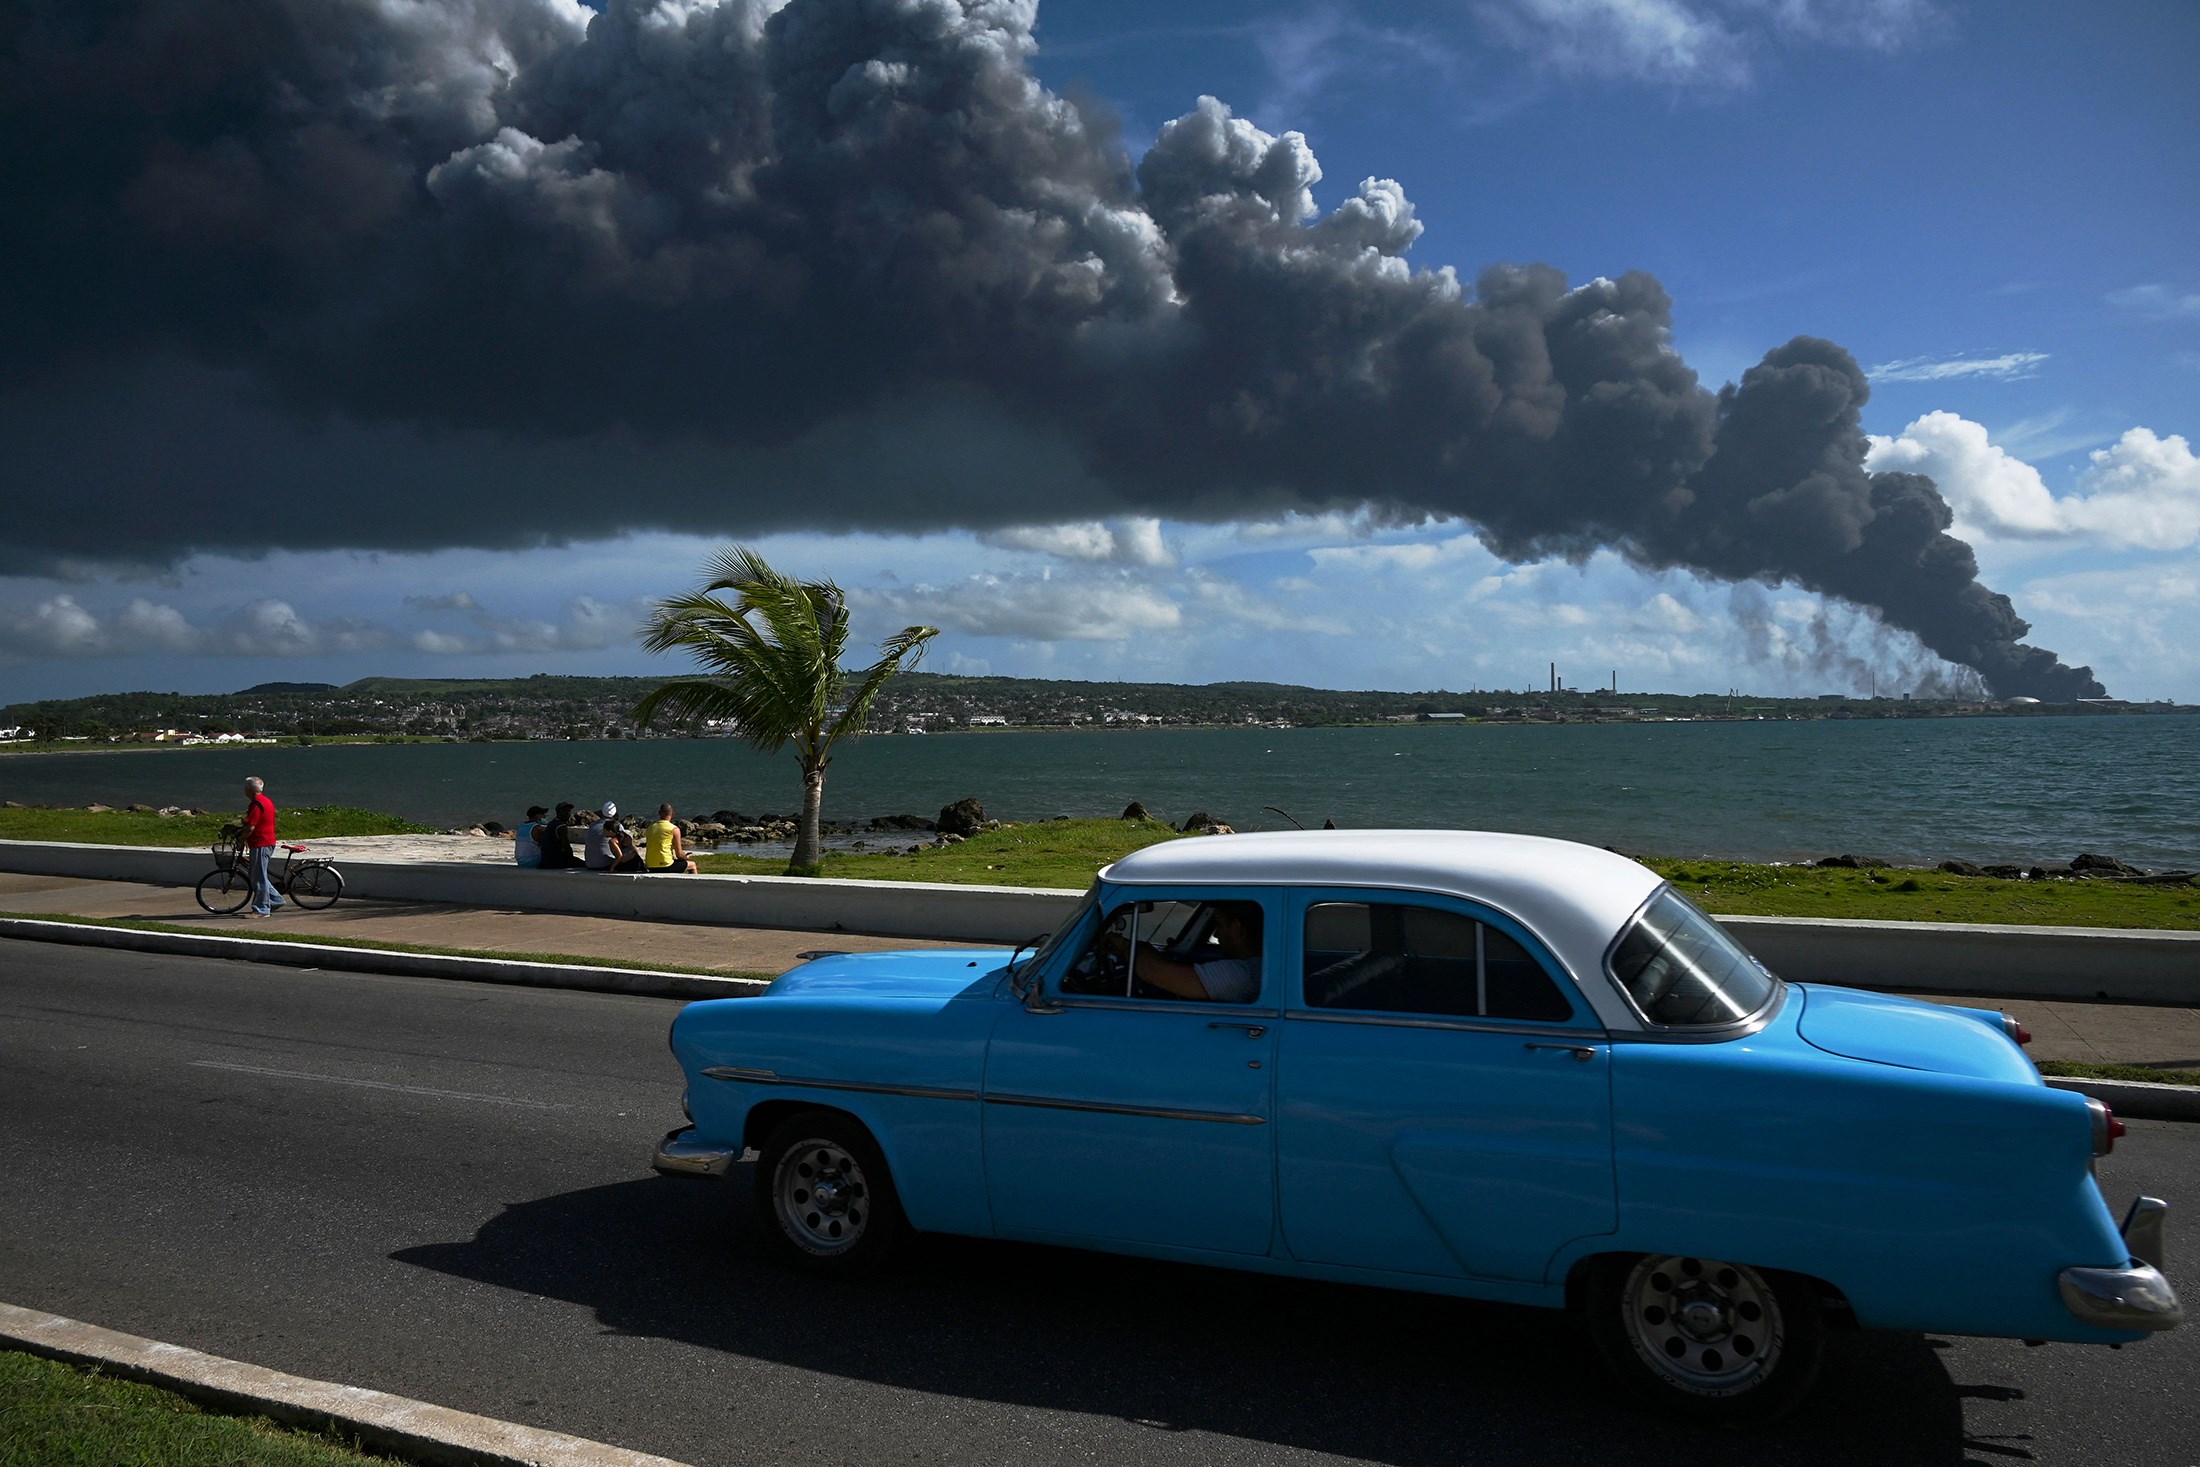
313, 883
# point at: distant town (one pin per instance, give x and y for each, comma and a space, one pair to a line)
552, 707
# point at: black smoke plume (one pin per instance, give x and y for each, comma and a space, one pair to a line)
502, 272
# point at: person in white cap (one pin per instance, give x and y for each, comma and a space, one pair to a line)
609, 847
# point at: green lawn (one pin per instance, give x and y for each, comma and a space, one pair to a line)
144, 828
54, 1415
1902, 895
1058, 853
1066, 853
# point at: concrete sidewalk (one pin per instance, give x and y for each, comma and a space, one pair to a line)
2097, 1033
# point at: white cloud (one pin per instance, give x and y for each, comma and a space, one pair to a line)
2156, 302
2006, 368
1413, 556
1032, 608
588, 626
2142, 492
60, 628
1098, 542
1697, 42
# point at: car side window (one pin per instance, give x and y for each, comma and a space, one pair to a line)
1197, 951
1400, 958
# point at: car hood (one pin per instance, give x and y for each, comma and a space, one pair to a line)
905, 977
1916, 1035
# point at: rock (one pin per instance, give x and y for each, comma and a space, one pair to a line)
1853, 863
1217, 828
477, 831
1197, 820
728, 818
901, 822
99, 809
1136, 810
2037, 873
708, 832
175, 812
1961, 868
966, 817
139, 809
2006, 872
2089, 864
495, 827
1329, 825
949, 840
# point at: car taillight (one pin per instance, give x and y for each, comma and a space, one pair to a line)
2015, 1030
2106, 1128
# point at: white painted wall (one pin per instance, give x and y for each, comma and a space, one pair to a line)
2005, 962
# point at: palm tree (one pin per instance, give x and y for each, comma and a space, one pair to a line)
773, 659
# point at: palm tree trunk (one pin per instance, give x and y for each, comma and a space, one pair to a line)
807, 841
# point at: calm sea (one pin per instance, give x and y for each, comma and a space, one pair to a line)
2020, 789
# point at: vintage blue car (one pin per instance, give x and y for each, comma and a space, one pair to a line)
1495, 1066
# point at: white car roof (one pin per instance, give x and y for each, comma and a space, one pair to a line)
1572, 896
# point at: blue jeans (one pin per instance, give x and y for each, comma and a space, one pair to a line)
264, 899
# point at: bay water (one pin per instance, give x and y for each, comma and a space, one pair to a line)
2037, 789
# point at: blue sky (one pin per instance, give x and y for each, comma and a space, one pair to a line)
1993, 206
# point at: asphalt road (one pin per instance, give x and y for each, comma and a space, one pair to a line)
441, 1189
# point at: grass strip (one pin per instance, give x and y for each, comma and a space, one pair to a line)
261, 934
1066, 853
56, 1415
149, 828
2147, 1074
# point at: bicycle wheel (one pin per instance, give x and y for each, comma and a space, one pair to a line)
315, 887
223, 892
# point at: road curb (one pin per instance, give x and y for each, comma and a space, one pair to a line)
376, 960
414, 1430
2141, 1100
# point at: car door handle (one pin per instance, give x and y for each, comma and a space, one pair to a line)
1582, 1052
1252, 1031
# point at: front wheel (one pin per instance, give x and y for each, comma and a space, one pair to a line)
1719, 1343
824, 1196
315, 887
225, 891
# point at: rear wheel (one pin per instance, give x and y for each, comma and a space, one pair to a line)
824, 1196
225, 891
1709, 1341
314, 887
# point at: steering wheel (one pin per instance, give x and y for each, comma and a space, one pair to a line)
1096, 971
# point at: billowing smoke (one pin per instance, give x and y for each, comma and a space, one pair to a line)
501, 272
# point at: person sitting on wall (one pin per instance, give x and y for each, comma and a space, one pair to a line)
555, 836
609, 847
526, 850
665, 849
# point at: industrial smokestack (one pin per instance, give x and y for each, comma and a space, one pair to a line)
473, 271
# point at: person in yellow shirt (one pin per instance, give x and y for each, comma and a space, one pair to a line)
664, 850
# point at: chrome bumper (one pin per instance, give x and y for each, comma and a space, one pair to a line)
681, 1155
2137, 1297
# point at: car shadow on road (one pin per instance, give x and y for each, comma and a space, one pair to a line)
1363, 1373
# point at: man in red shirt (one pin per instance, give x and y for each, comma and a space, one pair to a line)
259, 841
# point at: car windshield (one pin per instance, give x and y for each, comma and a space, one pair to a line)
1683, 970
1054, 940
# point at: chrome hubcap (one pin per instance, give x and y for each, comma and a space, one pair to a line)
822, 1200
1710, 1328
